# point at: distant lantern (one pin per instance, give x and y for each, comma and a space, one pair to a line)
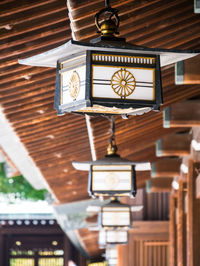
111, 255
115, 215
113, 237
108, 75
112, 175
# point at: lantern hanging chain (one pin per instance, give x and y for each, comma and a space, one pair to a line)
112, 138
107, 3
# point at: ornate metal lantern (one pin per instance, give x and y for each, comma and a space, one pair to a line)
115, 215
107, 75
112, 175
113, 237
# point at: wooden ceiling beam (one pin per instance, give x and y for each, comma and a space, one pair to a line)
167, 167
188, 71
174, 145
182, 114
32, 13
159, 185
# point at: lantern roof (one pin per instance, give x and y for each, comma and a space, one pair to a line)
72, 47
115, 203
113, 159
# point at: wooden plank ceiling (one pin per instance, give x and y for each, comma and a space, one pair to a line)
27, 92
31, 27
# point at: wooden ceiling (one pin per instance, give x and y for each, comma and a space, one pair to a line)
30, 28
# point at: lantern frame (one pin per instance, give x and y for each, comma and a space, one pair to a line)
89, 100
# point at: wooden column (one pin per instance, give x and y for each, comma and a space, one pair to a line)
172, 232
181, 226
193, 217
67, 250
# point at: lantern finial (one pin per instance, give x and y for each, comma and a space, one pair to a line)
109, 26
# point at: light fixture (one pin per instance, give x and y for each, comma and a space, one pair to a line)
107, 75
113, 237
112, 175
111, 255
115, 215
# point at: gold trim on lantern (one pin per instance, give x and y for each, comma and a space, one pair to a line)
124, 56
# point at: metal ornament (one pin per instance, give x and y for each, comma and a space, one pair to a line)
123, 83
74, 85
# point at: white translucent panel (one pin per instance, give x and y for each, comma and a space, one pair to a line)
106, 181
111, 167
117, 236
144, 88
116, 219
65, 80
102, 237
112, 262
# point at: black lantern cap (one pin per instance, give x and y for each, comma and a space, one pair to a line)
115, 203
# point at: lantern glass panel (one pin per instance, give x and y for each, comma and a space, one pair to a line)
111, 177
111, 252
116, 216
116, 237
112, 237
117, 76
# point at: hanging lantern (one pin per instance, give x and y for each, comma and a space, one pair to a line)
111, 255
112, 175
115, 215
113, 237
108, 75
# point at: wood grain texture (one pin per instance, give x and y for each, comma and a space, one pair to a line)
173, 232
193, 217
181, 226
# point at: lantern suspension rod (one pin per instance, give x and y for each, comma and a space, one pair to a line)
112, 120
107, 3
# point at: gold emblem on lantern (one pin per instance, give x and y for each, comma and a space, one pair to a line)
111, 180
123, 83
74, 85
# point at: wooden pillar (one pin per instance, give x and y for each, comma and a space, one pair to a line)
172, 232
193, 217
181, 226
67, 250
